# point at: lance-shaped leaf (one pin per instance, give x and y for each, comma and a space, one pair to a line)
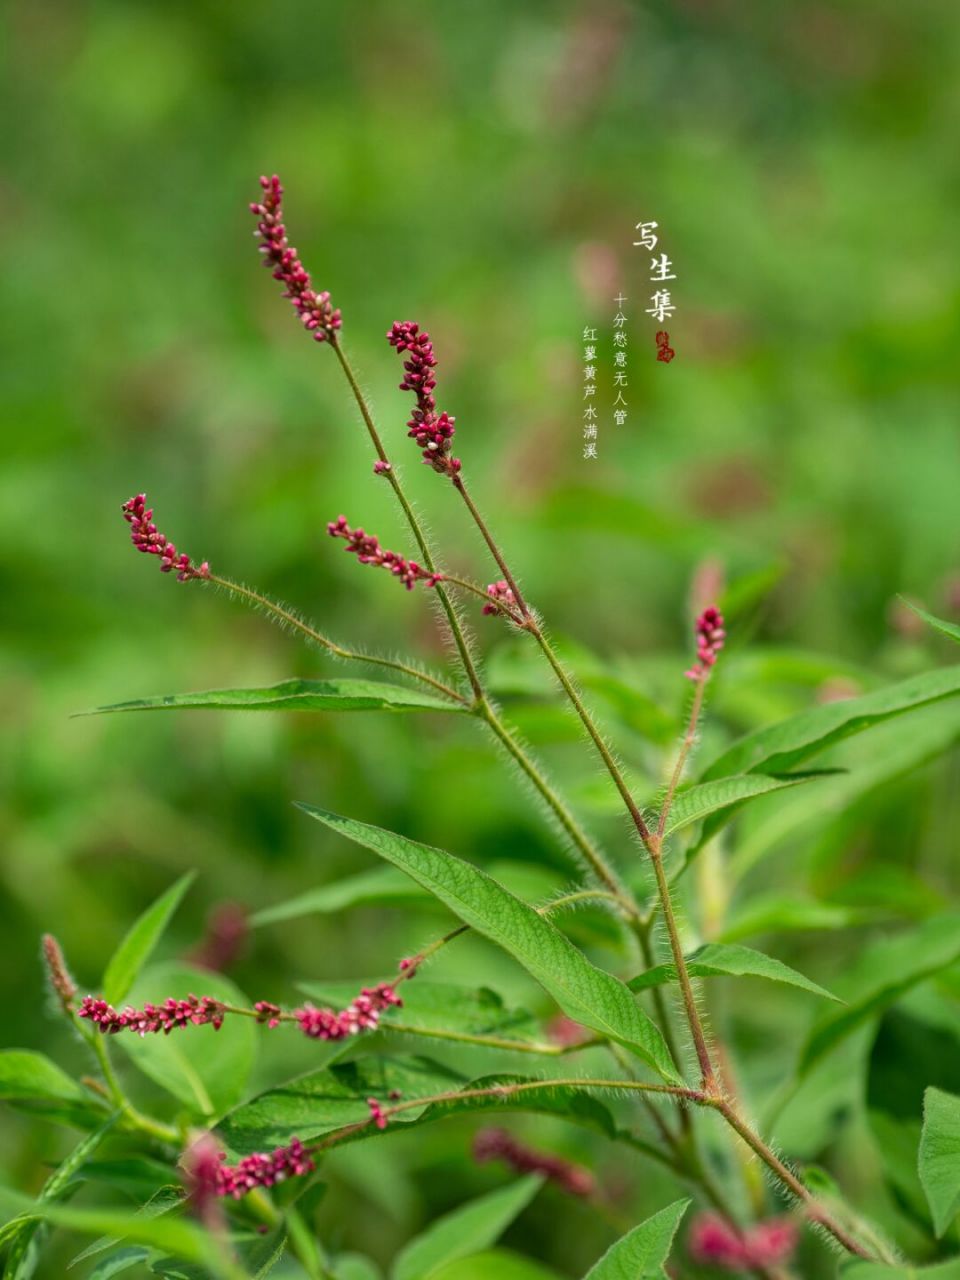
295, 695
721, 797
585, 993
643, 1252
945, 628
138, 945
23, 1233
939, 1159
782, 746
466, 1230
336, 1097
719, 960
890, 1271
443, 1010
883, 973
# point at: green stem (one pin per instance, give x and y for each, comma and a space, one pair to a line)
286, 617
134, 1118
453, 618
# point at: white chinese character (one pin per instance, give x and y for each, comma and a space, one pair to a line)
662, 306
647, 239
620, 378
590, 411
619, 339
620, 399
661, 266
619, 320
589, 373
589, 353
620, 299
589, 390
590, 449
589, 335
619, 416
620, 357
590, 431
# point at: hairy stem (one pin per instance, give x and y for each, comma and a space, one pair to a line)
482, 702
288, 618
689, 738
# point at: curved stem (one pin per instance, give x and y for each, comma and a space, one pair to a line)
286, 617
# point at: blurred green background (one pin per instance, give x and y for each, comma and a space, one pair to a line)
479, 168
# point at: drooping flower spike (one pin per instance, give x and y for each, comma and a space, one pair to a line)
146, 538
367, 549
433, 432
319, 317
710, 637
498, 1144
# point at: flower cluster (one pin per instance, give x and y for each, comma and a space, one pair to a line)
145, 537
710, 637
314, 309
715, 1242
194, 1010
503, 595
58, 973
362, 1014
498, 1144
433, 432
377, 1114
367, 549
261, 1170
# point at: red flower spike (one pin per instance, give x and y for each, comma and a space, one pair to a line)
433, 432
710, 638
314, 309
367, 549
146, 538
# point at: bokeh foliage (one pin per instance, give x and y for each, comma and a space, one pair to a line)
479, 168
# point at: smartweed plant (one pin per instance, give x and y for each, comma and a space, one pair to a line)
241, 1177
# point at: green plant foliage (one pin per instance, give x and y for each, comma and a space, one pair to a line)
585, 993
643, 1252
718, 960
939, 1160
295, 695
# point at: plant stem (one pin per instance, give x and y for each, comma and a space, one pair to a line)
710, 1093
453, 618
482, 702
815, 1211
689, 738
289, 619
135, 1119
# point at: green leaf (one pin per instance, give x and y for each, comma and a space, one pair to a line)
585, 993
122, 1260
295, 695
58, 1186
31, 1082
329, 1099
356, 1266
939, 1159
723, 795
173, 1235
884, 973
466, 1230
138, 945
495, 1264
718, 959
160, 1203
439, 1009
207, 1070
642, 1252
947, 628
780, 747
